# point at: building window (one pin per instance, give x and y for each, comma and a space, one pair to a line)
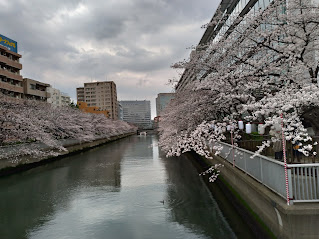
32, 86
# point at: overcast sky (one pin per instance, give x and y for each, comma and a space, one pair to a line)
131, 42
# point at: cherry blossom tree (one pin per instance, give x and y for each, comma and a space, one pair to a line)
48, 127
264, 70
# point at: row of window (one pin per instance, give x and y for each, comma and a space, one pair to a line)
11, 57
259, 6
94, 88
10, 69
37, 87
11, 93
10, 81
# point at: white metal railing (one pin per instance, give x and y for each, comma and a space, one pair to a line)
303, 179
305, 182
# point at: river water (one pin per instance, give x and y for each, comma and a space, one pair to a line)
124, 189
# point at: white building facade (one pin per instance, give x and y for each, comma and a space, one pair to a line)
137, 113
57, 97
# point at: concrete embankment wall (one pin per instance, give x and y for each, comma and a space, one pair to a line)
20, 163
270, 211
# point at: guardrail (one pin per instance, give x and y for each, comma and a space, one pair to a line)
303, 179
305, 182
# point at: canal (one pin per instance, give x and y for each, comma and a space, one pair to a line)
125, 189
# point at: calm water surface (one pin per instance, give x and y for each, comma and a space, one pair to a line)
125, 189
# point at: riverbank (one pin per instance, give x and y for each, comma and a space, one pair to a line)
18, 163
233, 207
264, 211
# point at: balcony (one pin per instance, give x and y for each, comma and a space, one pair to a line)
10, 62
10, 87
36, 92
10, 75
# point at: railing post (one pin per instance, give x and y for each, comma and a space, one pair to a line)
245, 159
290, 188
232, 143
261, 170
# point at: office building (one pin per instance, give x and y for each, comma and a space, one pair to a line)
10, 78
137, 113
100, 94
162, 101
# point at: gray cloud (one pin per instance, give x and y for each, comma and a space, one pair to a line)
132, 42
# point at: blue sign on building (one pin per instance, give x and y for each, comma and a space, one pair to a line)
8, 43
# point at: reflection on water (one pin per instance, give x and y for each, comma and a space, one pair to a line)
125, 189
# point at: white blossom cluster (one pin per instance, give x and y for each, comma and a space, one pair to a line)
265, 71
35, 126
213, 171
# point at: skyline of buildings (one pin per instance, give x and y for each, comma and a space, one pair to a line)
15, 85
12, 83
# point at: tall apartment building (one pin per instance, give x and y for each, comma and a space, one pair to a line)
10, 78
57, 97
100, 94
137, 112
162, 101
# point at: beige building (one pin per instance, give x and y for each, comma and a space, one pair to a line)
10, 78
100, 94
80, 94
35, 90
